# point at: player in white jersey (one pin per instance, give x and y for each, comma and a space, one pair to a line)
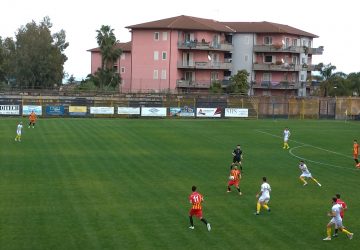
264, 196
18, 131
336, 220
286, 134
305, 173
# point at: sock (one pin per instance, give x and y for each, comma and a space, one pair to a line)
266, 207
204, 220
284, 145
258, 206
328, 231
357, 161
303, 180
238, 189
191, 221
315, 181
228, 188
345, 231
336, 231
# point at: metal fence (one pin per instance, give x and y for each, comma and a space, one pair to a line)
257, 106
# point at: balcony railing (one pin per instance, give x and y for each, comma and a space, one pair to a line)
200, 84
192, 84
277, 85
204, 45
277, 67
275, 48
289, 49
204, 65
316, 51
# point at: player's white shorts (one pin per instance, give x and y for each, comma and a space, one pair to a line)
336, 222
308, 175
286, 139
18, 133
264, 198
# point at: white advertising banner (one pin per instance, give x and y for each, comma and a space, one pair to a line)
236, 112
27, 109
9, 109
128, 111
102, 110
159, 112
208, 112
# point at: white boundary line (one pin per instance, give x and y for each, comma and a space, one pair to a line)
308, 145
317, 162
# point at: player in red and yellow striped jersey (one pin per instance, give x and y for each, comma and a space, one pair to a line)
234, 179
356, 153
196, 199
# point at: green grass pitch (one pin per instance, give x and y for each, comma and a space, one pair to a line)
124, 184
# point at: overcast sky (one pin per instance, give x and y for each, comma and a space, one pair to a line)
337, 25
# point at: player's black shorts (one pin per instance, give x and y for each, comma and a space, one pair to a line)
236, 159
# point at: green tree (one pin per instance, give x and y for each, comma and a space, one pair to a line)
354, 82
7, 63
107, 76
239, 82
216, 87
326, 71
39, 55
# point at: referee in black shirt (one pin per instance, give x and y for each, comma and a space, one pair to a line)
237, 156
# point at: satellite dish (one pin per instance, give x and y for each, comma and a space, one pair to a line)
282, 60
282, 41
209, 57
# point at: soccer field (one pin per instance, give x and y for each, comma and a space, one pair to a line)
124, 184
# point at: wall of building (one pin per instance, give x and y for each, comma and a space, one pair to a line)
242, 54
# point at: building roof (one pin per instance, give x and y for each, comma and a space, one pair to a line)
125, 47
266, 27
184, 23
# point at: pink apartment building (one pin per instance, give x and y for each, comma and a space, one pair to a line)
186, 54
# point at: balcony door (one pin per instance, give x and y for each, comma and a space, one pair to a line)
188, 59
189, 76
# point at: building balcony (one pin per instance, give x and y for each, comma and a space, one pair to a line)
200, 84
315, 51
276, 67
276, 48
195, 45
192, 84
289, 49
277, 85
205, 65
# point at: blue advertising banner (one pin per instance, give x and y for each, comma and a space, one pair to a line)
55, 110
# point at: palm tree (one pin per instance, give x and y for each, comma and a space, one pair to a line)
106, 40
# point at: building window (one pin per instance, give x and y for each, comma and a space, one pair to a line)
266, 77
156, 36
214, 76
247, 40
156, 55
267, 40
115, 67
122, 57
122, 69
302, 77
164, 36
164, 55
246, 58
156, 74
268, 59
303, 42
309, 44
163, 74
294, 42
303, 60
